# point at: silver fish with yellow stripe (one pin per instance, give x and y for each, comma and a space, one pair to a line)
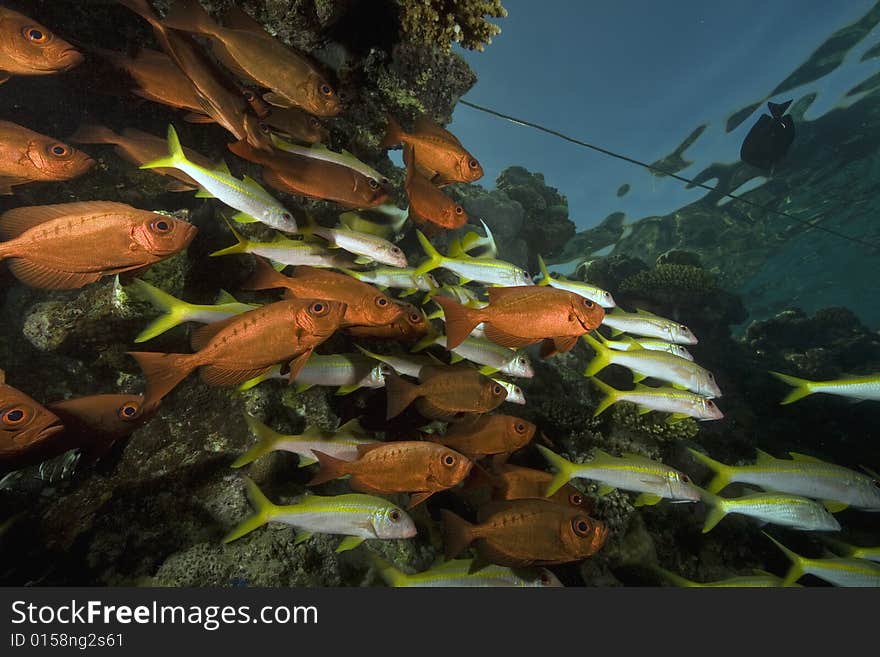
648, 324
355, 516
456, 573
839, 571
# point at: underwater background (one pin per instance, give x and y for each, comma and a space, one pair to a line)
762, 290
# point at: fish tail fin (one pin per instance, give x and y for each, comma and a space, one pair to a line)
612, 395
330, 468
143, 9
672, 578
563, 467
723, 473
391, 575
393, 134
802, 387
716, 510
264, 509
92, 133
460, 320
163, 371
241, 244
400, 394
457, 533
175, 156
545, 273
266, 439
265, 276
175, 311
435, 258
602, 358
797, 563
189, 16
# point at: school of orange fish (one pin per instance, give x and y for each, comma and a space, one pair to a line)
269, 98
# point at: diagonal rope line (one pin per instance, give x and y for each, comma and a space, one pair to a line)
651, 167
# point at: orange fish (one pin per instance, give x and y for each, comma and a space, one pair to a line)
296, 124
28, 48
245, 346
69, 245
488, 434
314, 178
512, 482
247, 49
412, 325
523, 315
445, 393
140, 147
525, 532
413, 466
27, 156
157, 78
426, 202
218, 96
365, 305
438, 154
94, 423
25, 428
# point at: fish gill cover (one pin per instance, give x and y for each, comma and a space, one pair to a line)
316, 361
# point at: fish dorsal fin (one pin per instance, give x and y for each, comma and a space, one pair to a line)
222, 167
352, 426
225, 297
204, 334
15, 222
764, 457
797, 456
602, 454
314, 431
644, 313
635, 457
237, 19
426, 126
365, 448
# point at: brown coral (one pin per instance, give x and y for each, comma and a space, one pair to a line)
443, 22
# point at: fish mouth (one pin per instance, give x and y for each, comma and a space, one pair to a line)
70, 58
49, 431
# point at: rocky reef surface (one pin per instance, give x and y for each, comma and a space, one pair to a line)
154, 511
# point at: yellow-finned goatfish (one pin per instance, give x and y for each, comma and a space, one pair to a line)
461, 573
858, 388
838, 571
680, 403
775, 508
591, 292
648, 324
341, 443
631, 472
760, 579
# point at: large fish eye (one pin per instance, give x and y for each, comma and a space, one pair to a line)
682, 327
60, 150
519, 427
129, 411
326, 89
710, 403
287, 216
161, 226
315, 123
15, 416
711, 376
459, 210
35, 35
588, 303
263, 126
473, 164
497, 390
415, 318
449, 460
576, 499
394, 516
319, 308
581, 526
381, 302
372, 183
685, 479
395, 250
249, 95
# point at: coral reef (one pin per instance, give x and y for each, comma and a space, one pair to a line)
443, 22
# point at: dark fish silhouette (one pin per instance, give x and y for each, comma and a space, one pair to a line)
770, 138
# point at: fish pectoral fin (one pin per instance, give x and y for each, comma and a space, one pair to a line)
349, 543
646, 499
203, 193
638, 378
604, 489
244, 218
678, 386
361, 260
644, 410
276, 99
417, 498
302, 537
197, 117
347, 389
834, 506
675, 418
305, 461
47, 278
